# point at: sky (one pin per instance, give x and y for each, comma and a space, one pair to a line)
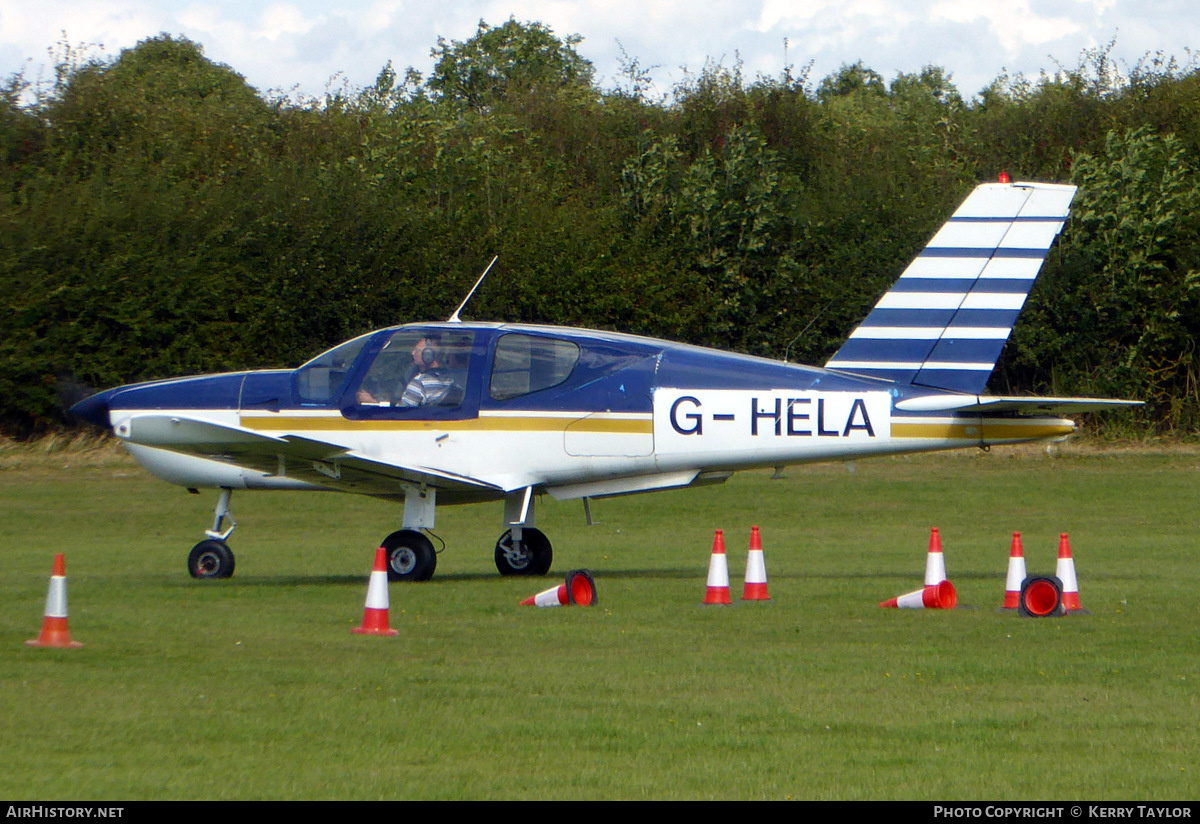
305, 48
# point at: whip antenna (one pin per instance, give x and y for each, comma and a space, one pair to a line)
455, 318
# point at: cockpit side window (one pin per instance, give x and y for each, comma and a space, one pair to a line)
527, 363
323, 378
417, 368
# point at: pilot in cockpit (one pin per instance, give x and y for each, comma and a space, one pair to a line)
428, 383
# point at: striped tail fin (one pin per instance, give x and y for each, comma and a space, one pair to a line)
945, 321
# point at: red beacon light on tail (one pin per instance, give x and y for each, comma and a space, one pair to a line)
1004, 177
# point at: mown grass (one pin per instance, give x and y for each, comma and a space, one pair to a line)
255, 687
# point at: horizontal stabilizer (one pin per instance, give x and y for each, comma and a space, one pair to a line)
945, 321
993, 405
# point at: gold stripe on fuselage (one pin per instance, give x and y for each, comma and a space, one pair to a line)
484, 423
940, 429
987, 431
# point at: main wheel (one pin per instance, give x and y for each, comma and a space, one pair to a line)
210, 559
532, 555
410, 556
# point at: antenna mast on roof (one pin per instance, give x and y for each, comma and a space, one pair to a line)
455, 318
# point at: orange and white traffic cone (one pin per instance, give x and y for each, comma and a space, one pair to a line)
375, 614
1041, 598
756, 571
1016, 574
556, 596
1065, 572
718, 574
579, 589
938, 596
54, 622
935, 562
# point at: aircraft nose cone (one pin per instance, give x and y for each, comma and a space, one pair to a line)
94, 410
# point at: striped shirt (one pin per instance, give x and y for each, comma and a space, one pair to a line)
426, 388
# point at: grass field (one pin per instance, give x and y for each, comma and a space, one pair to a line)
256, 688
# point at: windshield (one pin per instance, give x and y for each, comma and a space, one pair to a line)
323, 378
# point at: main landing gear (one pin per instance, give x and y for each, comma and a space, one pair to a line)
212, 557
521, 550
411, 556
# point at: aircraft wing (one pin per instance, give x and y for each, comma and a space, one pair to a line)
1000, 404
317, 462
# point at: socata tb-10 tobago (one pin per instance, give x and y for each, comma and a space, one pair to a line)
455, 412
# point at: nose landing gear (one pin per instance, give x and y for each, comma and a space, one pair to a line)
212, 557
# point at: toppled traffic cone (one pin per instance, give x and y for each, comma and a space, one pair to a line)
579, 589
756, 571
1065, 572
54, 622
375, 614
1041, 597
937, 596
1016, 574
718, 574
935, 562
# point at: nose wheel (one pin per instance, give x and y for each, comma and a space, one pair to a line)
532, 555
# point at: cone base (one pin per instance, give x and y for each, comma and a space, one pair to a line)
718, 596
53, 644
54, 635
375, 622
755, 592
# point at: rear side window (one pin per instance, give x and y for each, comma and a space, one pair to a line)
525, 363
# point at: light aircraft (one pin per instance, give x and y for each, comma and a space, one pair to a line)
458, 412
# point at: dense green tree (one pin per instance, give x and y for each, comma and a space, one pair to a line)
1129, 276
509, 59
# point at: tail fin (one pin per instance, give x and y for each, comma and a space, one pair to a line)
945, 321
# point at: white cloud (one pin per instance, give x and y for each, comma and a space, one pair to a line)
281, 20
301, 44
1013, 24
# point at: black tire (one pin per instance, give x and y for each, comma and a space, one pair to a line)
532, 557
410, 556
210, 559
